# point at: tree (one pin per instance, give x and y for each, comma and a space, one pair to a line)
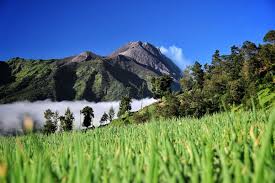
111, 114
216, 58
51, 121
193, 77
270, 37
234, 50
198, 74
88, 113
249, 49
171, 107
62, 123
67, 120
233, 67
215, 78
161, 86
104, 118
196, 103
187, 82
124, 105
249, 73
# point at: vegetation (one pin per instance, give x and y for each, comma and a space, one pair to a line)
185, 139
124, 106
67, 120
104, 118
226, 147
230, 80
97, 79
170, 107
270, 37
88, 113
161, 86
51, 121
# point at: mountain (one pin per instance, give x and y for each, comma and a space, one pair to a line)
148, 56
86, 76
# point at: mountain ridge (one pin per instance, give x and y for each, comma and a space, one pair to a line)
86, 75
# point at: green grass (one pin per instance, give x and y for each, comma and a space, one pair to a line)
235, 147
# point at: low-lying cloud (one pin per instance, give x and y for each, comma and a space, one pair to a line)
176, 54
11, 115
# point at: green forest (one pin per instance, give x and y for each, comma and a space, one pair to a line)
242, 80
233, 79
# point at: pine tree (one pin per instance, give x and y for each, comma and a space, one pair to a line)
69, 119
124, 106
216, 58
104, 118
198, 74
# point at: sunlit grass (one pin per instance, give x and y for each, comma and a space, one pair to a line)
231, 147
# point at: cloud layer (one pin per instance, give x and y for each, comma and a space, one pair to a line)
176, 54
11, 115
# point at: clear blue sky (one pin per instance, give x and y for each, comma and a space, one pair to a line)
55, 29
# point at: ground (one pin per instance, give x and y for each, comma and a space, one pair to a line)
225, 147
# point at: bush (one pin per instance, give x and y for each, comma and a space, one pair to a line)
141, 117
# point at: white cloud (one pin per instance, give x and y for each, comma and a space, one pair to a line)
176, 54
11, 115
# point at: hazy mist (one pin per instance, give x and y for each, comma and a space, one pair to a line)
11, 115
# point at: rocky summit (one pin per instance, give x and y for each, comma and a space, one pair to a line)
149, 56
86, 76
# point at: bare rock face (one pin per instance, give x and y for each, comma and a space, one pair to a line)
149, 56
84, 56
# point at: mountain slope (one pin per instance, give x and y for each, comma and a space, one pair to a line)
85, 76
149, 56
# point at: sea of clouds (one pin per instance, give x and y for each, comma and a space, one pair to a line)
11, 115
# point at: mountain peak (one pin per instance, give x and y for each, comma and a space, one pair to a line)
139, 43
84, 56
148, 55
134, 45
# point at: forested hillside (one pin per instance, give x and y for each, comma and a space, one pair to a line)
233, 79
242, 79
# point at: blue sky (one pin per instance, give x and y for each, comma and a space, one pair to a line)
193, 29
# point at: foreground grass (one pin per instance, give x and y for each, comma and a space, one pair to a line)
219, 148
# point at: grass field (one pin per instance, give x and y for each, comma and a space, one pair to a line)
225, 147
